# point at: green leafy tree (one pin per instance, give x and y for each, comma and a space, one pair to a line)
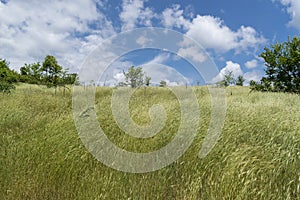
134, 77
31, 73
264, 85
147, 81
70, 79
51, 71
162, 83
7, 77
6, 87
255, 86
283, 67
228, 80
240, 80
121, 84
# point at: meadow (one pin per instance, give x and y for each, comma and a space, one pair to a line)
257, 155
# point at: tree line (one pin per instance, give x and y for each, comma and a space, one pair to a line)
48, 73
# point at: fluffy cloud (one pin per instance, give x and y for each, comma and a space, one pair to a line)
143, 41
212, 33
253, 75
29, 30
119, 77
71, 29
156, 69
133, 13
251, 64
193, 52
293, 9
174, 17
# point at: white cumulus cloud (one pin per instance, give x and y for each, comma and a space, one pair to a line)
193, 52
212, 33
134, 13
293, 9
29, 30
254, 75
251, 64
174, 17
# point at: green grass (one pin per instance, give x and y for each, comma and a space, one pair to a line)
256, 157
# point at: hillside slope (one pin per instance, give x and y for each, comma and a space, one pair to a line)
256, 157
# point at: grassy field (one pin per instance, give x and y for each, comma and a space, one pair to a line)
256, 157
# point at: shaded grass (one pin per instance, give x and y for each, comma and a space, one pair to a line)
257, 156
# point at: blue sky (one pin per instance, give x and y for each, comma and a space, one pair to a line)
232, 32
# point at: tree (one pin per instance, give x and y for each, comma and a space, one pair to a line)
70, 79
264, 85
240, 80
50, 74
283, 67
52, 71
6, 87
134, 77
31, 73
147, 81
162, 83
7, 77
228, 80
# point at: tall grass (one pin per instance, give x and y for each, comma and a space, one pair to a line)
257, 156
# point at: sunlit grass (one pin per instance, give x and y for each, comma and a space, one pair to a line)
257, 156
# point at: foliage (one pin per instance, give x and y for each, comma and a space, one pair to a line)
51, 71
31, 73
134, 77
122, 84
6, 87
162, 83
7, 77
230, 80
283, 67
264, 85
240, 81
69, 78
6, 74
147, 81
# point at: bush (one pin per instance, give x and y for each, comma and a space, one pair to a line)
6, 87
